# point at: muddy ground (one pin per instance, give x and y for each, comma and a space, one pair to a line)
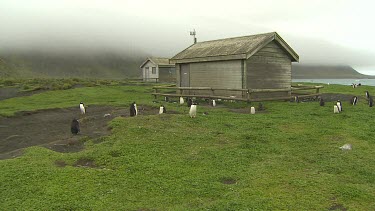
51, 128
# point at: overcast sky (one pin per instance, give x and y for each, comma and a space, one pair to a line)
320, 31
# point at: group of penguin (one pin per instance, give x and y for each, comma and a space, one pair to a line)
338, 107
75, 127
193, 106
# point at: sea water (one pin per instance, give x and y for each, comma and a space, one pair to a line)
368, 82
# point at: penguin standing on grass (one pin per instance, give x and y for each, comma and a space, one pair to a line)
189, 102
74, 127
193, 110
370, 102
82, 108
336, 109
367, 95
182, 101
354, 100
162, 110
252, 110
133, 109
339, 105
296, 99
213, 103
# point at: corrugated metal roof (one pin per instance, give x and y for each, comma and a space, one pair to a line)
244, 46
159, 61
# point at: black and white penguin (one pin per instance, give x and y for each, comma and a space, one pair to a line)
133, 109
354, 100
336, 109
74, 127
321, 102
189, 102
213, 103
193, 110
182, 101
370, 102
367, 95
339, 105
166, 99
82, 108
162, 110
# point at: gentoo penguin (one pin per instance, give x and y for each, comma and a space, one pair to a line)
74, 127
354, 100
336, 109
339, 105
321, 102
162, 110
213, 103
193, 110
252, 110
367, 95
82, 108
166, 99
189, 102
133, 109
370, 102
182, 100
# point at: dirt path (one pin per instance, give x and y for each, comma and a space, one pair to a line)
10, 92
51, 128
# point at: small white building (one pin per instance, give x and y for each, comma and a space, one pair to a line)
158, 70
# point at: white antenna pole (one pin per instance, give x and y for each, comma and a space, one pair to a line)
193, 33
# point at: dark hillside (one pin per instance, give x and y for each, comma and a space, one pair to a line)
34, 63
300, 71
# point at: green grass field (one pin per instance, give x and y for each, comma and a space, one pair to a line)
287, 158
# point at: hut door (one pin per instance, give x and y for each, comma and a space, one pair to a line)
185, 75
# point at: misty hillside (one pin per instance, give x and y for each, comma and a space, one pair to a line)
86, 64
300, 71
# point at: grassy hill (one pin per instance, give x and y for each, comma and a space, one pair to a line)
78, 64
286, 158
300, 71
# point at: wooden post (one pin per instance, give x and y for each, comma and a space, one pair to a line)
156, 91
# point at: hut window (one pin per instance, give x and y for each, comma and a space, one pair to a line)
153, 70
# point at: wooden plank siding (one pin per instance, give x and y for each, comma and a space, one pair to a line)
167, 74
217, 74
269, 68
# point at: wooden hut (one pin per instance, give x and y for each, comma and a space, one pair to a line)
158, 70
261, 61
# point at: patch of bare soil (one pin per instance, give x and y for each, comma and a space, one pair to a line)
51, 128
84, 162
10, 92
60, 163
330, 97
338, 207
228, 181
